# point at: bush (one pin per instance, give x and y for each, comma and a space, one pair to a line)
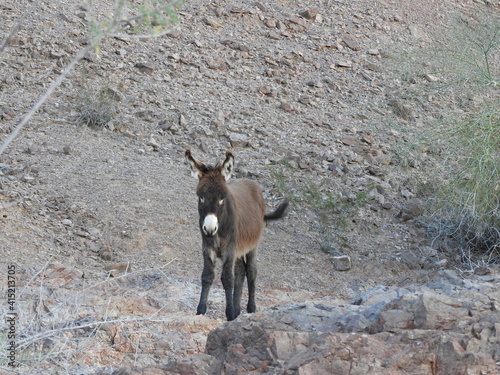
465, 206
97, 107
464, 203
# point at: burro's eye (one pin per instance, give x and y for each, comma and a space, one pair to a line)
221, 202
202, 199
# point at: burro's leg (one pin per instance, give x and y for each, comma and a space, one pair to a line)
207, 278
227, 279
239, 279
251, 272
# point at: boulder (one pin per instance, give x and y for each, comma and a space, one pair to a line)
423, 329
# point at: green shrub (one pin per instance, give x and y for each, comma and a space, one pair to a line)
464, 203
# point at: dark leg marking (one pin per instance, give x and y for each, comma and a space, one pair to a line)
251, 272
207, 278
227, 279
239, 279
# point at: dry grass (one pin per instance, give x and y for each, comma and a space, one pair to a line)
59, 328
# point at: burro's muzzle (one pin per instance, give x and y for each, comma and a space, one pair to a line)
210, 225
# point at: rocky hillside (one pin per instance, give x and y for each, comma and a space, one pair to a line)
98, 210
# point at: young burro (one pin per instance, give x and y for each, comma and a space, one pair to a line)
232, 217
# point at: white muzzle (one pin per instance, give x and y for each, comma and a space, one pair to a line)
210, 225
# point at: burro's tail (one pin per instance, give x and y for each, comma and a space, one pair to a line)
278, 213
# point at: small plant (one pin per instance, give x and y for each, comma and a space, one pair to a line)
330, 210
468, 52
97, 107
152, 19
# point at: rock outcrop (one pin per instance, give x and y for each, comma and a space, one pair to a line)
447, 326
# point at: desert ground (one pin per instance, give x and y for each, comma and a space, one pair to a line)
98, 210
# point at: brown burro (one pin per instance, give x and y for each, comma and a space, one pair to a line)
232, 217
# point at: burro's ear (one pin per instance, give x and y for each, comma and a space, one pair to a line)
228, 166
197, 168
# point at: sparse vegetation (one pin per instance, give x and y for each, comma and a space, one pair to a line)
464, 72
329, 207
55, 333
46, 338
96, 107
466, 205
153, 19
318, 93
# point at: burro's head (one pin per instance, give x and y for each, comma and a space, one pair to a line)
212, 191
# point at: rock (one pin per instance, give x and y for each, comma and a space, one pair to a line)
266, 90
210, 22
353, 142
236, 45
375, 171
106, 255
430, 78
429, 252
195, 364
410, 260
260, 6
274, 35
270, 22
219, 119
383, 159
67, 150
392, 321
374, 67
92, 57
377, 335
438, 312
67, 222
164, 125
318, 19
306, 100
239, 140
117, 269
174, 33
145, 68
217, 63
303, 164
29, 179
298, 21
58, 275
183, 120
287, 107
336, 171
416, 31
342, 263
407, 194
153, 143
411, 209
56, 55
482, 271
401, 110
344, 64
309, 13
351, 42
316, 84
